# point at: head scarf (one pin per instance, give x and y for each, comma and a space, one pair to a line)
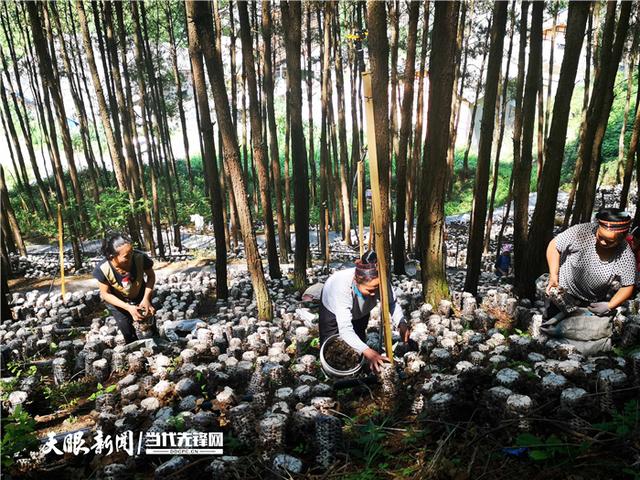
620, 223
367, 267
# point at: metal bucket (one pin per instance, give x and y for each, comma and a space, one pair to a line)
334, 372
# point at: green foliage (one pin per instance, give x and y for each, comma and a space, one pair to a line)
19, 371
367, 474
176, 422
461, 198
71, 419
415, 437
65, 395
18, 436
76, 141
39, 226
623, 424
101, 391
194, 202
625, 352
114, 209
610, 142
550, 448
368, 443
203, 384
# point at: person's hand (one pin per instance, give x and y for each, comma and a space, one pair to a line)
404, 331
600, 308
146, 305
553, 282
135, 313
375, 359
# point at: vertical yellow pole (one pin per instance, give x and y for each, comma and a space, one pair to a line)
361, 206
377, 214
327, 253
61, 243
372, 228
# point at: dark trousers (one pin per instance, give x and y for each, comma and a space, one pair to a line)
124, 321
329, 326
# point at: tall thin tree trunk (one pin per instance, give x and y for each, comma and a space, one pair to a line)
50, 88
176, 76
199, 14
517, 115
628, 66
81, 73
481, 184
23, 120
542, 221
113, 144
83, 90
465, 161
125, 114
631, 153
379, 61
599, 109
547, 110
394, 20
431, 217
591, 47
355, 123
259, 147
540, 129
84, 130
158, 116
128, 163
522, 171
503, 118
273, 130
146, 122
324, 140
463, 33
414, 176
21, 172
42, 124
45, 62
287, 175
11, 217
195, 53
342, 134
104, 59
291, 12
309, 79
405, 132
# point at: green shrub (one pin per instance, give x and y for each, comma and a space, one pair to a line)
18, 436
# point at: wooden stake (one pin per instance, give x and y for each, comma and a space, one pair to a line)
372, 229
361, 207
327, 252
376, 211
61, 243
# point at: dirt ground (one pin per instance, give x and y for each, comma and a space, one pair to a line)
76, 283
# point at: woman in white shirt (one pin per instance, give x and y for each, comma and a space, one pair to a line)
347, 299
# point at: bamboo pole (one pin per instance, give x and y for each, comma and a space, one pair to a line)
327, 251
361, 206
372, 229
61, 243
377, 214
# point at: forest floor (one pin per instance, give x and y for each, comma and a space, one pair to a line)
387, 436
